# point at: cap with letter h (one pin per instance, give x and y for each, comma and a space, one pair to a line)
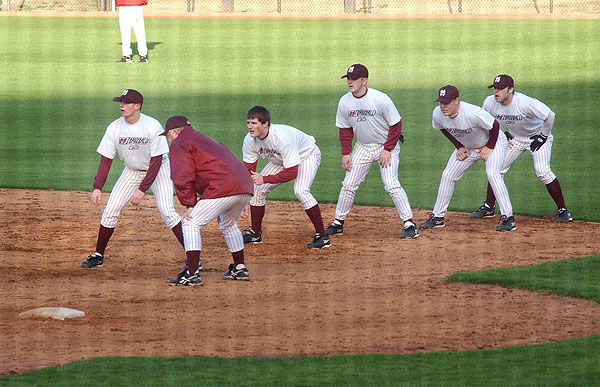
502, 81
176, 122
447, 94
356, 71
130, 96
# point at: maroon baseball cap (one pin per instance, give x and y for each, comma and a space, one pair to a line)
176, 122
502, 81
130, 96
447, 94
356, 71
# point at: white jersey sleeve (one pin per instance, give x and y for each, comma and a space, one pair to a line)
250, 149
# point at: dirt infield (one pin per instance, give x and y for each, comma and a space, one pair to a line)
369, 293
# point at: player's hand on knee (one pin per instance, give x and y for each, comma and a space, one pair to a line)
485, 152
137, 197
385, 159
537, 141
257, 178
96, 197
462, 153
187, 215
347, 162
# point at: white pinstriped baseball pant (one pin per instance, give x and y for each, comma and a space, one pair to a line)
129, 182
363, 157
541, 157
456, 168
227, 210
307, 171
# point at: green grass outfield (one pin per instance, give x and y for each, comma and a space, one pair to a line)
59, 75
565, 363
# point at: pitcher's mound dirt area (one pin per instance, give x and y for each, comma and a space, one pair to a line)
369, 293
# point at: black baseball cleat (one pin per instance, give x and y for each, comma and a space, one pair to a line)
433, 222
186, 279
409, 232
484, 212
563, 215
319, 242
507, 224
94, 260
237, 273
334, 228
125, 59
252, 237
143, 59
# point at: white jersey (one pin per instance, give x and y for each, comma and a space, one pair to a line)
370, 116
523, 117
284, 145
471, 127
135, 143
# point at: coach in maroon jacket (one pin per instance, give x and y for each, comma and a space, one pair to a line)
201, 165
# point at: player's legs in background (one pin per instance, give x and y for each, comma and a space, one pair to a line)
541, 163
162, 188
389, 176
125, 24
140, 31
451, 174
231, 209
258, 201
493, 166
121, 194
363, 157
519, 146
307, 170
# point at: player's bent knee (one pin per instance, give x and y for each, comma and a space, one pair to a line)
547, 177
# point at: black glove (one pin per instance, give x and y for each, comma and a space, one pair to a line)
401, 139
508, 135
538, 141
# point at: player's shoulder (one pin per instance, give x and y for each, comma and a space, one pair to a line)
149, 120
489, 101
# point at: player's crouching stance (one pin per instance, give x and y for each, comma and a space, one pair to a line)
292, 155
529, 123
201, 165
474, 133
135, 137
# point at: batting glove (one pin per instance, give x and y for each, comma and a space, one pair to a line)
538, 141
401, 139
508, 135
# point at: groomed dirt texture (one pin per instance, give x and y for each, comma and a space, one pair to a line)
369, 293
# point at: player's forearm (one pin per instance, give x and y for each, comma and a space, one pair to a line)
155, 163
548, 124
285, 175
346, 136
493, 135
457, 144
186, 194
393, 136
102, 174
251, 167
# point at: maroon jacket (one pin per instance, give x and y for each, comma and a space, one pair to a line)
202, 165
126, 3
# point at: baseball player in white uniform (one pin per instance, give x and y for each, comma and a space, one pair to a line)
528, 123
372, 117
291, 155
135, 137
131, 17
474, 133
